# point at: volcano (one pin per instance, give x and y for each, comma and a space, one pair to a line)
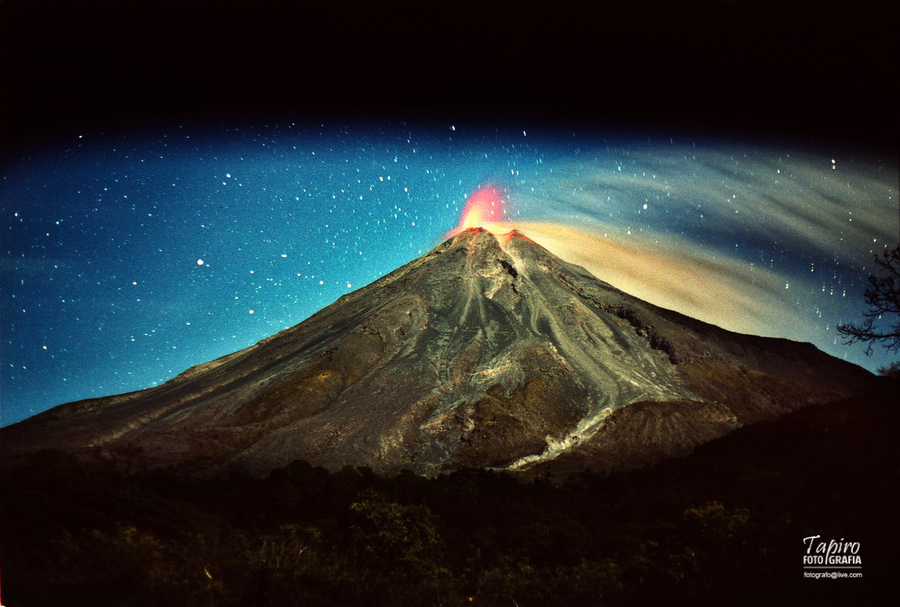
488, 351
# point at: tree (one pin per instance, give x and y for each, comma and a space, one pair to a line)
403, 540
883, 298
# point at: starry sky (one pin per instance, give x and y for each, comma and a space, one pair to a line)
130, 257
165, 200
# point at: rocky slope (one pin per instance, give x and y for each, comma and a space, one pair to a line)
488, 351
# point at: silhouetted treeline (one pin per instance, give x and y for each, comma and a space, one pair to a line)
723, 526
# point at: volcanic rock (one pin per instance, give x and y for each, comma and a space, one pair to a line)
488, 351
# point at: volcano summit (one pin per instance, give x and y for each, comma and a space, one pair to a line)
488, 351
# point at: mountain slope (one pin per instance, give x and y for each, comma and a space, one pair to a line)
487, 351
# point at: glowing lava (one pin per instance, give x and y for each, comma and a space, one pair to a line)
485, 208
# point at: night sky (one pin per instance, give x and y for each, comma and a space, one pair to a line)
168, 199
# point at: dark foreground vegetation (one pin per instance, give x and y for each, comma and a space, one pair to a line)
723, 526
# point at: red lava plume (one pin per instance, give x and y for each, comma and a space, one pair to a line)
487, 205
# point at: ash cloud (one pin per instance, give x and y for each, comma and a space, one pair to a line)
764, 241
